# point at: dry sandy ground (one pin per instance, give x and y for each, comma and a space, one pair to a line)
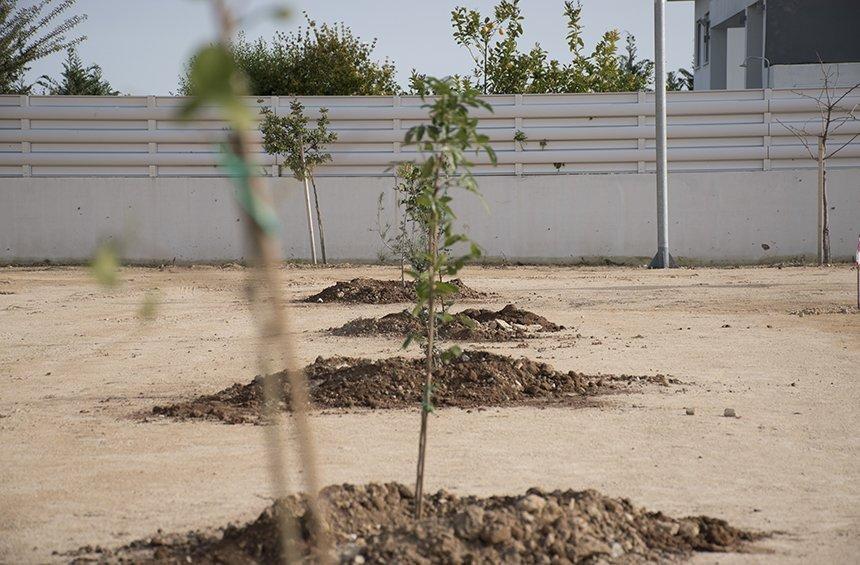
76, 365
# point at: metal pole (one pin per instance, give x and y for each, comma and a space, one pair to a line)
662, 260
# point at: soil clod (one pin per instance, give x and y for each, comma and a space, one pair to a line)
475, 379
374, 523
474, 324
373, 291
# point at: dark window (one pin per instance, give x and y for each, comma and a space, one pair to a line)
707, 38
703, 41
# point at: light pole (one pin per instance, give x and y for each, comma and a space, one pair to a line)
662, 260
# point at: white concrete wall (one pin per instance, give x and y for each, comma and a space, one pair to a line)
844, 75
720, 217
736, 38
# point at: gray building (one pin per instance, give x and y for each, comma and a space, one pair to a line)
775, 43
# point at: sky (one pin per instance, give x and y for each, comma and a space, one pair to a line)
142, 45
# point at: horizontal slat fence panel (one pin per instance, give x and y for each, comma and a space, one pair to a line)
565, 134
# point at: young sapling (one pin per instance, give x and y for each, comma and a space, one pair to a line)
303, 149
443, 143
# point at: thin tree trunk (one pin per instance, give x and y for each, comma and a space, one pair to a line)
319, 219
428, 375
310, 222
822, 213
485, 69
825, 233
308, 202
276, 334
401, 223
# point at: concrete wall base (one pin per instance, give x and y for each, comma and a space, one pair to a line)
715, 218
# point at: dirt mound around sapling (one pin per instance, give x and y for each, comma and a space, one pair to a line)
480, 325
373, 291
375, 524
475, 379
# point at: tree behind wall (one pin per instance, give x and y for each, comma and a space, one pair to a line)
501, 68
302, 148
682, 79
78, 80
30, 31
318, 60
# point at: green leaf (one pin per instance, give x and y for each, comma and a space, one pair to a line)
451, 353
443, 288
215, 79
149, 308
467, 321
105, 265
492, 154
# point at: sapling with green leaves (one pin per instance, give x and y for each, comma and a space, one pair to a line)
409, 242
303, 149
444, 144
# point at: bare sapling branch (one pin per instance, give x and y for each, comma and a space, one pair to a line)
829, 107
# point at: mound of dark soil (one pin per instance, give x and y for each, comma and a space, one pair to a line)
475, 379
375, 524
373, 291
484, 325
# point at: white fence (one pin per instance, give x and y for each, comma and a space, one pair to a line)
128, 136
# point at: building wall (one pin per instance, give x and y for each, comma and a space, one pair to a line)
735, 55
721, 10
720, 217
796, 34
810, 76
702, 72
801, 31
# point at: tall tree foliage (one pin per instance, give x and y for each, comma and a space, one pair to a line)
319, 59
29, 33
78, 80
501, 67
682, 79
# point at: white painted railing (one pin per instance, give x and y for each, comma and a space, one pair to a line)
579, 133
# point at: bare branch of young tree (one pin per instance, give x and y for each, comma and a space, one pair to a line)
843, 146
832, 117
800, 134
